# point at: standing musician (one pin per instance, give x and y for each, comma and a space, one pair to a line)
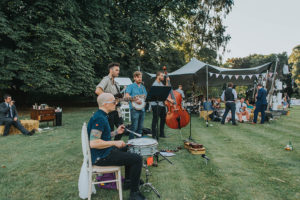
260, 104
229, 96
137, 114
105, 152
108, 85
159, 110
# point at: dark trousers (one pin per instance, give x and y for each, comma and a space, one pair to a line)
158, 112
230, 106
132, 162
8, 122
115, 120
260, 108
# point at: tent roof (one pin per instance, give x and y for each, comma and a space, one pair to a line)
195, 65
195, 72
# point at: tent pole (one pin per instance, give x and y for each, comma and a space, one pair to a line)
206, 95
272, 85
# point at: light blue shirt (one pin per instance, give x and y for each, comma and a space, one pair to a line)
134, 90
181, 92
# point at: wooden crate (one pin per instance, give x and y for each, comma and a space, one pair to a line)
200, 151
204, 114
28, 124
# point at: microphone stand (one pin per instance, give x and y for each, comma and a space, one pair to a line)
190, 137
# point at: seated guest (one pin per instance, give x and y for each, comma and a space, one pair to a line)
105, 152
207, 105
241, 110
180, 91
9, 116
249, 105
217, 104
286, 101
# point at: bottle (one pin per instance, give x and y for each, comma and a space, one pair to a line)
291, 146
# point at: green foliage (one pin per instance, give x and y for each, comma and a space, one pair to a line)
63, 47
255, 60
294, 61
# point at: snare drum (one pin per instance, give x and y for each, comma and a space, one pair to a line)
143, 146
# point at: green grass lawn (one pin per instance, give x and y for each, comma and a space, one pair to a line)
247, 162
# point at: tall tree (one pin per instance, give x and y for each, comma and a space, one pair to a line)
294, 60
255, 60
63, 47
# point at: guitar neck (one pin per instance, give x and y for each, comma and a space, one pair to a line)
131, 98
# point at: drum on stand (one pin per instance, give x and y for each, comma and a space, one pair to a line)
143, 146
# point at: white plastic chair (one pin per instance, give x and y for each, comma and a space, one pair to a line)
125, 111
92, 169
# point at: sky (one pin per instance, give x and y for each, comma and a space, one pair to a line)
262, 27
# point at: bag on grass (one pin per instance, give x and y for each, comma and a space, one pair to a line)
106, 177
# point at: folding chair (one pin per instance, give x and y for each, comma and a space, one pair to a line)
94, 170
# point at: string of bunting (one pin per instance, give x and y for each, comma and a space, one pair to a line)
238, 76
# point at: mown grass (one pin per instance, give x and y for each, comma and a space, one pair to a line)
246, 162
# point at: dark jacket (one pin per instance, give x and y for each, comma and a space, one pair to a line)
261, 98
4, 111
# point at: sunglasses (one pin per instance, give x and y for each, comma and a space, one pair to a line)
113, 102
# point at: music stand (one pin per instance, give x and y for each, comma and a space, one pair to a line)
158, 93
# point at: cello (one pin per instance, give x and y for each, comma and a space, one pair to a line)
177, 117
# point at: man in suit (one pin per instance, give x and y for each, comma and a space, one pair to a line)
9, 116
261, 104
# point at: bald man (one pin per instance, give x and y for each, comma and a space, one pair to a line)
105, 152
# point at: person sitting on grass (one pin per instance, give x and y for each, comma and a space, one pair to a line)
9, 116
105, 152
241, 110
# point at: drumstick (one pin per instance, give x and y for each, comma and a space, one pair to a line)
139, 135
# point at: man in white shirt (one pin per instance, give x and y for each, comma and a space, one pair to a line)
241, 110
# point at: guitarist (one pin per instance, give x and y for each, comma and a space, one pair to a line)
137, 114
108, 85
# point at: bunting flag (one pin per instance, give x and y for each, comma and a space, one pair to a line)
237, 76
270, 74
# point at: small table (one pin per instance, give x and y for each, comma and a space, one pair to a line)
43, 115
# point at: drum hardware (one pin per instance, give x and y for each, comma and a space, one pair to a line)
157, 154
145, 147
147, 184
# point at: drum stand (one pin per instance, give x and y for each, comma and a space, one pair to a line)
147, 185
